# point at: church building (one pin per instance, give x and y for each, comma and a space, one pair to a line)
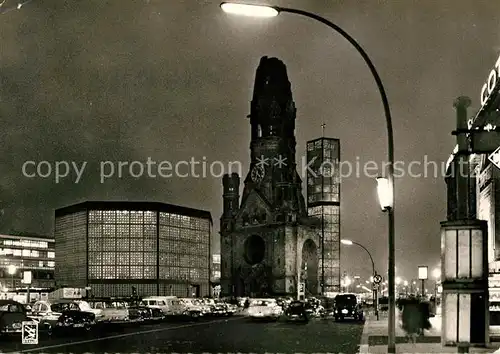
269, 244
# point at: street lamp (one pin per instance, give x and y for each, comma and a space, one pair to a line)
249, 10
12, 269
374, 273
384, 192
272, 11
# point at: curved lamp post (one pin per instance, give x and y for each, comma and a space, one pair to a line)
374, 273
272, 11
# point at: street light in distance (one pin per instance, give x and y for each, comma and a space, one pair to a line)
436, 273
12, 269
249, 10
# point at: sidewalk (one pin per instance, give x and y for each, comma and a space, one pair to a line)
374, 338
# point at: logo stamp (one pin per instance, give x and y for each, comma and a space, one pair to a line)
29, 332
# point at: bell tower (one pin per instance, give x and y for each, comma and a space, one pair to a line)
272, 145
263, 239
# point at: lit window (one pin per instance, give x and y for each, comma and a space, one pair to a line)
17, 252
136, 217
51, 264
150, 217
49, 254
136, 231
36, 254
40, 263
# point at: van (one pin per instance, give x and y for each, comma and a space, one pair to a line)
170, 305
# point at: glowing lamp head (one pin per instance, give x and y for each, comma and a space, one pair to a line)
405, 283
436, 273
398, 280
346, 242
249, 10
11, 269
385, 193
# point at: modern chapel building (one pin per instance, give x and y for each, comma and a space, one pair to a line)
111, 247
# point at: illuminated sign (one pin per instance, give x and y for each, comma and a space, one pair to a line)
491, 83
422, 272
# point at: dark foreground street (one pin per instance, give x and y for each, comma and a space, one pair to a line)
236, 334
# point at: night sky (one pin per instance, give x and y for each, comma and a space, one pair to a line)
125, 80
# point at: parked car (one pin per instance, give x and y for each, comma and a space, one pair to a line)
297, 311
62, 315
74, 319
169, 305
113, 312
264, 309
347, 306
191, 308
12, 315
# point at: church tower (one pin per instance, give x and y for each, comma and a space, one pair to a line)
263, 238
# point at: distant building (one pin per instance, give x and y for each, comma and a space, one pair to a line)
216, 268
323, 202
26, 253
113, 247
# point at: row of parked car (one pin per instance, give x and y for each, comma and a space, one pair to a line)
87, 314
344, 306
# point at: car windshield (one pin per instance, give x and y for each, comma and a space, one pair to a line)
346, 299
10, 308
64, 307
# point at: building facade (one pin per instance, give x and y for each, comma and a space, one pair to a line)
216, 268
323, 203
484, 181
267, 239
157, 248
26, 253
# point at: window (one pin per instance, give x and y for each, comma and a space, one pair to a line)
136, 217
150, 217
26, 253
109, 216
136, 244
49, 254
123, 272
122, 217
122, 258
51, 264
109, 231
136, 272
95, 216
136, 258
95, 230
136, 231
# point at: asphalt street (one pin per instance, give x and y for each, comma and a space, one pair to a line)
237, 334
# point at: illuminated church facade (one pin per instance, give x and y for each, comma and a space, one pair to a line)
272, 242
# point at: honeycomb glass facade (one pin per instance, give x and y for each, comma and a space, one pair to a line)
323, 202
159, 249
27, 253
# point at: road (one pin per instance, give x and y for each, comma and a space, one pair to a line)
237, 334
